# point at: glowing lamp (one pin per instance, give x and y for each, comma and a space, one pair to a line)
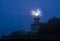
36, 13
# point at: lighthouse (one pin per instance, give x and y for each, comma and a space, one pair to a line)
36, 24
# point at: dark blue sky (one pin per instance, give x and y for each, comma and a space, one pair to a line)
15, 14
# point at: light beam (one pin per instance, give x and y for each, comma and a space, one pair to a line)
36, 12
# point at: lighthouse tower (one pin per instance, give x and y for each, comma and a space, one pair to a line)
36, 25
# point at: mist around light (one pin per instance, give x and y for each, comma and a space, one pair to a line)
36, 12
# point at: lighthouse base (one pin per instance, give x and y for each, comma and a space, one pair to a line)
35, 28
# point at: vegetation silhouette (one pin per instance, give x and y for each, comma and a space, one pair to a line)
51, 29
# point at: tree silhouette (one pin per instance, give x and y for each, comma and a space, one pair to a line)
51, 28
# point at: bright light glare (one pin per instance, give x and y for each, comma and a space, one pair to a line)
36, 13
